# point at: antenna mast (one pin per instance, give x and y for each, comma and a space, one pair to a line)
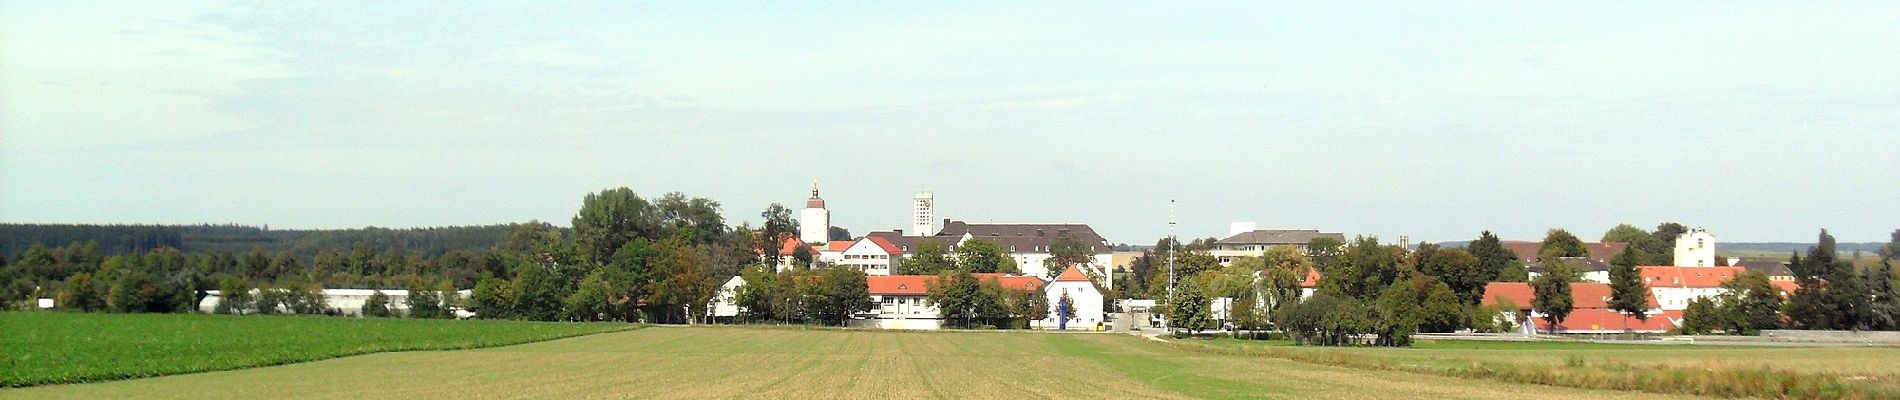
1171, 241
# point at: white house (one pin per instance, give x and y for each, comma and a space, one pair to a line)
1085, 301
901, 301
870, 254
725, 302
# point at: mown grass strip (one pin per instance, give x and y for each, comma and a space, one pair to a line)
43, 348
1167, 375
1711, 379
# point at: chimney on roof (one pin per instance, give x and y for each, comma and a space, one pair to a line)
900, 232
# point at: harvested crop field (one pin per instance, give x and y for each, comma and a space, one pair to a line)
724, 362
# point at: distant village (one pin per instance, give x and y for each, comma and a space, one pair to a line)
900, 301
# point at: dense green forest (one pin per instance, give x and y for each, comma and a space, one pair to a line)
302, 244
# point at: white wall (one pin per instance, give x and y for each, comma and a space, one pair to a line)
902, 307
345, 301
1678, 298
814, 225
726, 301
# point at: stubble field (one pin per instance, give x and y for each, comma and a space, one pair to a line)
727, 362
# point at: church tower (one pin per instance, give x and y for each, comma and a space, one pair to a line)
814, 222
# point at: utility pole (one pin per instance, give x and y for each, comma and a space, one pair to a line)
1171, 242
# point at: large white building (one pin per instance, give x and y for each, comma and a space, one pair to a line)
1695, 248
1245, 240
814, 222
1027, 244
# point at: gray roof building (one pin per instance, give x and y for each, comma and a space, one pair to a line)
1278, 237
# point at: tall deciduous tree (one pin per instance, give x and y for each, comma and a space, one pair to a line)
1493, 258
82, 293
777, 228
1285, 269
1831, 295
234, 295
1064, 252
1460, 271
957, 295
980, 256
1325, 253
1559, 243
1625, 233
1189, 309
1628, 294
610, 219
843, 292
1749, 304
493, 298
676, 211
929, 258
1552, 294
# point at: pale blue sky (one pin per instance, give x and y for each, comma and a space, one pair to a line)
1762, 121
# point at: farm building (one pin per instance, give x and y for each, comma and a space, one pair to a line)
343, 301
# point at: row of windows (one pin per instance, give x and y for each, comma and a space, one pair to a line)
866, 256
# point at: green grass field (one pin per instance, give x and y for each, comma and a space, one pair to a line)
724, 362
44, 348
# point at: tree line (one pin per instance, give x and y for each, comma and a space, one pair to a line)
207, 238
625, 258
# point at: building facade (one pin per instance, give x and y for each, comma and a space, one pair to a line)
1695, 248
1255, 242
923, 219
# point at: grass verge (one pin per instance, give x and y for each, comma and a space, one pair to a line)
43, 348
1708, 379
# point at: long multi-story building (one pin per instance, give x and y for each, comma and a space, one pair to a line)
1245, 241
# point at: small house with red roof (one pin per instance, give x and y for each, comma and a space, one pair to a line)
870, 254
1085, 301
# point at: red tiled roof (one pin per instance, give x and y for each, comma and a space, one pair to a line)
1696, 277
1072, 274
899, 284
1312, 279
886, 244
838, 245
1787, 287
918, 285
1583, 294
790, 246
1604, 320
